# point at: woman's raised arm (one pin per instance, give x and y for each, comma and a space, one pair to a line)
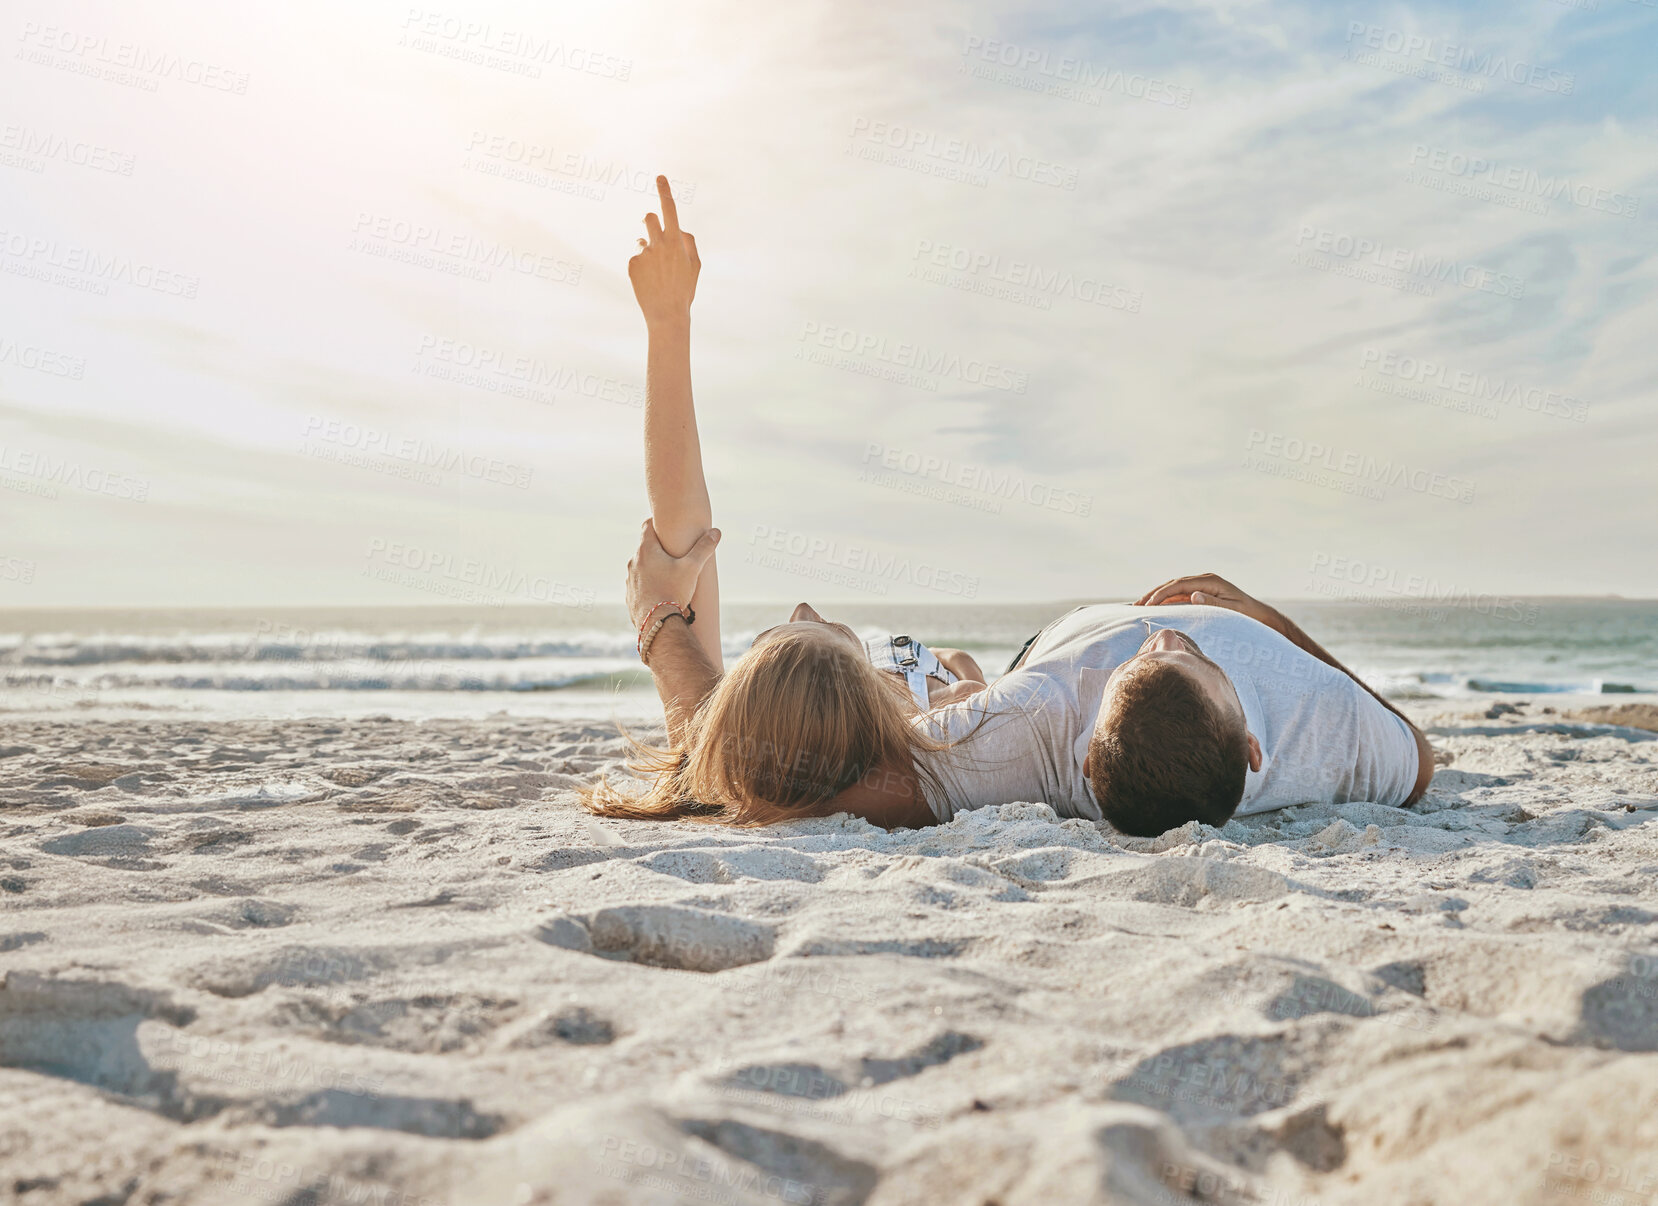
664, 276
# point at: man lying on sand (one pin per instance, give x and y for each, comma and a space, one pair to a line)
1197, 702
1194, 703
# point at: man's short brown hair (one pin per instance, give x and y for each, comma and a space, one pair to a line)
1166, 755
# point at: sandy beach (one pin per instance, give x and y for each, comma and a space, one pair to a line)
392, 961
404, 409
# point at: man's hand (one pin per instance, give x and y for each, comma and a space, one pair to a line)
664, 273
655, 575
1215, 591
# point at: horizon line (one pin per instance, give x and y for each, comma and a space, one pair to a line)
1461, 599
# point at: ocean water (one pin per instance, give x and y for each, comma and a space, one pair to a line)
579, 662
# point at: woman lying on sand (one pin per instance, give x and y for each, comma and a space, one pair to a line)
812, 720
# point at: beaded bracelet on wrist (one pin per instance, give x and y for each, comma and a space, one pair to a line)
646, 640
686, 613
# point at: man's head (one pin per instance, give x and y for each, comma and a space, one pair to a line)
1171, 744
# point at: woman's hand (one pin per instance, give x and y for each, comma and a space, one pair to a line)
656, 576
664, 273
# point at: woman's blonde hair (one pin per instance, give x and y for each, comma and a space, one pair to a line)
793, 723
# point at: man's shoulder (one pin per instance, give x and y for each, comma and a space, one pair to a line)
1244, 645
1084, 621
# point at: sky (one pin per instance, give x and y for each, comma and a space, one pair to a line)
325, 304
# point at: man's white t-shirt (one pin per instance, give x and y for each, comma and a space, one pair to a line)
1323, 737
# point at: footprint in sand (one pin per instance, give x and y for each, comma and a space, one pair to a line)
248, 913
576, 1025
918, 948
834, 1179
1229, 1074
1407, 976
87, 1031
940, 1050
434, 1023
816, 1083
104, 841
808, 1081
1187, 882
293, 966
663, 936
86, 777
1308, 996
730, 865
1622, 1012
433, 1117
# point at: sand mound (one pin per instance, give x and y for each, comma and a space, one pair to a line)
1629, 715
